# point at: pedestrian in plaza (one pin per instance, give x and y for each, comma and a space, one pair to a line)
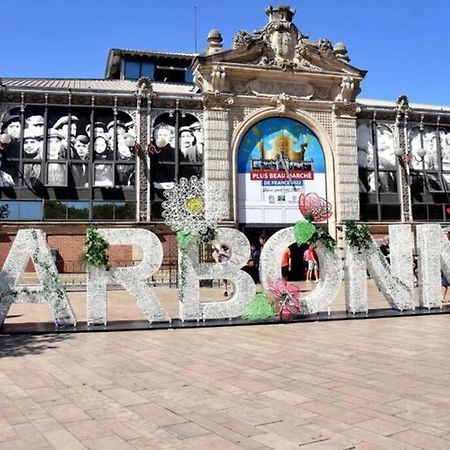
222, 255
286, 263
384, 248
313, 264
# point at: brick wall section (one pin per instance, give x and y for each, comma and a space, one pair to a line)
70, 250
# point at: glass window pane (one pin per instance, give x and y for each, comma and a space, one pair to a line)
132, 70
9, 210
103, 175
30, 210
31, 175
125, 174
435, 213
188, 76
55, 210
148, 70
434, 182
390, 212
369, 211
103, 211
56, 174
78, 210
8, 173
420, 212
387, 181
125, 211
79, 174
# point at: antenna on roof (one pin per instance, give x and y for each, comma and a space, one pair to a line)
195, 29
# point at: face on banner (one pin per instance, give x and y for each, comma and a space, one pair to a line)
279, 159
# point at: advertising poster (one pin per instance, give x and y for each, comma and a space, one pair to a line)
279, 159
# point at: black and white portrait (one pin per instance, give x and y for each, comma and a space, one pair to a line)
124, 174
189, 151
80, 175
103, 175
56, 148
56, 174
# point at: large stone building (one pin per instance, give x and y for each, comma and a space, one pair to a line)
274, 123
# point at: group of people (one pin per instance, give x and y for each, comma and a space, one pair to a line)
65, 141
190, 142
382, 141
222, 253
190, 155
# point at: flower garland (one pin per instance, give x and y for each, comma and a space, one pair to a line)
308, 233
357, 236
95, 249
259, 308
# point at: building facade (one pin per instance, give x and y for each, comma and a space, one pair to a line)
273, 123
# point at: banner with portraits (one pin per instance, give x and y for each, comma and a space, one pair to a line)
76, 147
177, 151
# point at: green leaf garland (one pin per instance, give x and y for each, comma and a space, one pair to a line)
259, 308
95, 249
357, 236
304, 231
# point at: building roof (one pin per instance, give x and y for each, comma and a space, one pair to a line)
115, 55
392, 104
92, 85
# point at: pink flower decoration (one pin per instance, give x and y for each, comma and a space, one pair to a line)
312, 203
287, 299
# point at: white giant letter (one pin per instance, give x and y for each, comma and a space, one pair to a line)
330, 270
395, 281
133, 279
31, 243
433, 249
244, 289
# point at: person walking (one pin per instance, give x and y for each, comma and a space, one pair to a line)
313, 264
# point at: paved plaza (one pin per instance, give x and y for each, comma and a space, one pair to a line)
363, 384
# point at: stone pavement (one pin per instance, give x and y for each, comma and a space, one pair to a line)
364, 384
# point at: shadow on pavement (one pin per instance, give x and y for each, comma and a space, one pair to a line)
20, 345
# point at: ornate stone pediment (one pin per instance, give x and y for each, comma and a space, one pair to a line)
280, 44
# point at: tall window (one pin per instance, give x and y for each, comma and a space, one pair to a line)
67, 163
430, 174
378, 176
178, 140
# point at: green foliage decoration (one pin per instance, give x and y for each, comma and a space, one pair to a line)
259, 308
308, 233
325, 238
304, 231
95, 249
357, 236
183, 239
208, 236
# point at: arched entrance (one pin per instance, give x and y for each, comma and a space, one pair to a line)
280, 163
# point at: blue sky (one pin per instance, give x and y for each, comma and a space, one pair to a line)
404, 44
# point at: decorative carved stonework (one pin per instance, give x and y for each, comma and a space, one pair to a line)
345, 109
285, 46
144, 87
263, 87
218, 78
217, 101
241, 39
283, 101
347, 92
